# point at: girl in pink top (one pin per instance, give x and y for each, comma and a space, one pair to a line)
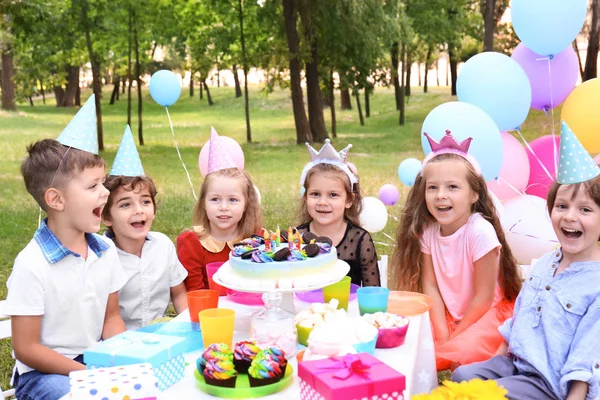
450, 246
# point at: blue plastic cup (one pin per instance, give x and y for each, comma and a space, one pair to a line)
372, 299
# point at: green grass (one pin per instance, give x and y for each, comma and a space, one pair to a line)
273, 159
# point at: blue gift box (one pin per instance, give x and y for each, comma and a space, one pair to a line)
190, 331
164, 353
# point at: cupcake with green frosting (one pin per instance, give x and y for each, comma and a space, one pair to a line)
278, 355
220, 373
264, 370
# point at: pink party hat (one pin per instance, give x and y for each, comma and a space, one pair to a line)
218, 155
449, 144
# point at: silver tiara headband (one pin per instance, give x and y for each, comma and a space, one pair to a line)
328, 155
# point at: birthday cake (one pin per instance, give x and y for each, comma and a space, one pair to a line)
285, 259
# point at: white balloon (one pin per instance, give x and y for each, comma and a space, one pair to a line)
528, 228
258, 194
374, 215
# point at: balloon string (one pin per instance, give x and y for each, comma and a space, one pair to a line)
534, 155
385, 244
388, 236
552, 116
507, 183
179, 154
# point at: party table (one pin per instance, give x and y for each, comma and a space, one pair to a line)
415, 359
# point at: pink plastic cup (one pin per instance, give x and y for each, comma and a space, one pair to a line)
211, 268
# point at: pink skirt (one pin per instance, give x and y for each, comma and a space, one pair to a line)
479, 342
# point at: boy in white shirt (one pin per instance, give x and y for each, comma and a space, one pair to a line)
63, 290
149, 259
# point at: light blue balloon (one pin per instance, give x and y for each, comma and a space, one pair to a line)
408, 171
498, 85
465, 120
165, 87
547, 27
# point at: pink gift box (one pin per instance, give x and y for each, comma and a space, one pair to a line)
354, 376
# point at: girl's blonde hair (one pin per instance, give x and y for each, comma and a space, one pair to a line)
407, 261
251, 221
352, 213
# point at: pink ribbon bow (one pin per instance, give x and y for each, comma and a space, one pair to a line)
349, 365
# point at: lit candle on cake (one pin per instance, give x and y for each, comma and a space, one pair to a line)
290, 238
267, 241
298, 241
273, 241
278, 233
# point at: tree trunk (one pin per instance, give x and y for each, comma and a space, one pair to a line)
419, 74
395, 74
345, 99
96, 73
200, 87
191, 83
332, 103
576, 48
360, 114
123, 85
8, 84
218, 74
437, 71
591, 59
59, 94
427, 66
129, 77
236, 79
489, 25
78, 97
72, 85
42, 92
303, 133
402, 102
453, 71
409, 63
367, 104
208, 97
138, 73
313, 89
245, 64
30, 101
115, 93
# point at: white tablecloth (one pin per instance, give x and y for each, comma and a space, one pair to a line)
415, 359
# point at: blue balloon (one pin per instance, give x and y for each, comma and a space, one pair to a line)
498, 85
465, 120
408, 171
547, 27
165, 87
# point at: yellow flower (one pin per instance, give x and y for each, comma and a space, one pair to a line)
474, 389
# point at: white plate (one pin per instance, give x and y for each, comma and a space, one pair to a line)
339, 271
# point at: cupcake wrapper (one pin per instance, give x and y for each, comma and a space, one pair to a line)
254, 382
228, 383
241, 366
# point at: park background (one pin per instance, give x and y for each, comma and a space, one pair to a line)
270, 74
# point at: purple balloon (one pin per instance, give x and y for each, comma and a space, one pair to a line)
389, 195
548, 90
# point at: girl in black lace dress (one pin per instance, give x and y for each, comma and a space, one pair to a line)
330, 207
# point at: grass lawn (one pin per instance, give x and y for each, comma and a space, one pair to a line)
273, 159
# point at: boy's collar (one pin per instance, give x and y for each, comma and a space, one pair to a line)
53, 249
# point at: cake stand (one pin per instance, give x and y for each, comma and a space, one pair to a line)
228, 278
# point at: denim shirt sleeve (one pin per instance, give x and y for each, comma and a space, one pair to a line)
506, 328
583, 361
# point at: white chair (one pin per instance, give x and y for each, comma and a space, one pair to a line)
383, 270
5, 332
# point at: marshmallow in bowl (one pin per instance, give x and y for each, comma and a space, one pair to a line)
381, 320
319, 313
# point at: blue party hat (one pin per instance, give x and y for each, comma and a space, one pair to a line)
127, 161
81, 133
575, 164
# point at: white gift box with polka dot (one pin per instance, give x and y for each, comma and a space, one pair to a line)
136, 381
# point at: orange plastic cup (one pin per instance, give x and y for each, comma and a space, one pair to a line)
216, 325
211, 268
199, 300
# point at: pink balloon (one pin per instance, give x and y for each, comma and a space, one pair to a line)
515, 169
539, 182
235, 152
548, 88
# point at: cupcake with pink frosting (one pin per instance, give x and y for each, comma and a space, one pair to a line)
243, 354
220, 373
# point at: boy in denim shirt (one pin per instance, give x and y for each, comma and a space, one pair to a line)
63, 290
552, 340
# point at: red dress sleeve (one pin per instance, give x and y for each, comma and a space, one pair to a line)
194, 258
